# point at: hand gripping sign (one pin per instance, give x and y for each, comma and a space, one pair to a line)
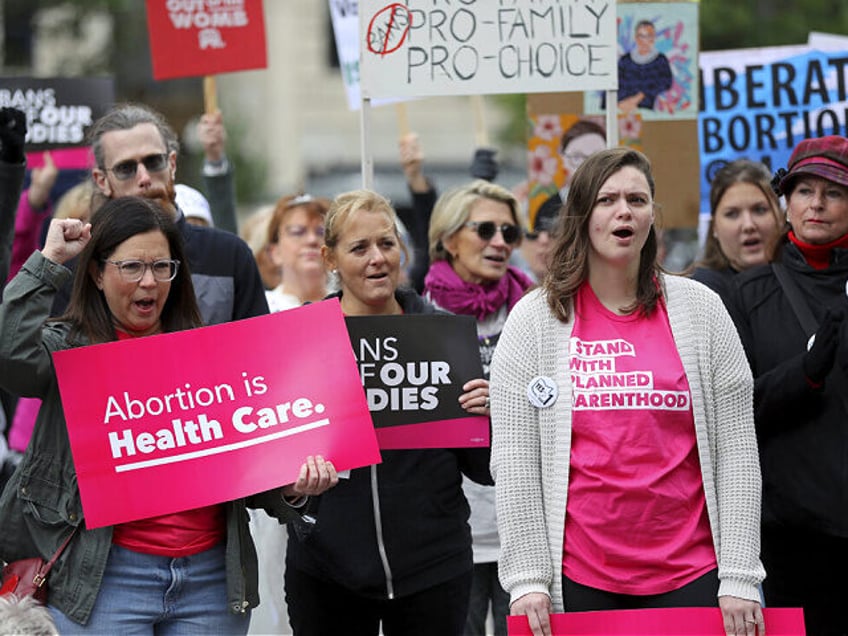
183, 420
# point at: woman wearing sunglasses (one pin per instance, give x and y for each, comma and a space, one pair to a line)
191, 571
473, 231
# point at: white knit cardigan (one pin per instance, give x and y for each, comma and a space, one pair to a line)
531, 447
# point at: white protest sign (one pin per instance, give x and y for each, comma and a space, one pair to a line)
345, 16
476, 47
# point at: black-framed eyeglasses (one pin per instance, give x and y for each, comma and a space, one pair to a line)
124, 170
486, 230
132, 271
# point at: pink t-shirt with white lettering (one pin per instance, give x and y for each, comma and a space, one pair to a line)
636, 519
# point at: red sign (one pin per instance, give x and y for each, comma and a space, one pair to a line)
183, 420
679, 621
205, 37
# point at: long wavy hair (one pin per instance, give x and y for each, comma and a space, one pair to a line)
570, 254
112, 224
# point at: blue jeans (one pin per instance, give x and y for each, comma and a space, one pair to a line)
148, 594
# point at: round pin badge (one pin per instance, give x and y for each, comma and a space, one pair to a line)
542, 391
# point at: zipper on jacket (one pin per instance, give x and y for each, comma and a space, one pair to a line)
378, 523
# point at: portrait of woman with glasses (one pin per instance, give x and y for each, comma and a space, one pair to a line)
473, 231
295, 236
130, 281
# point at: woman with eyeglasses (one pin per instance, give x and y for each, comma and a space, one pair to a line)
473, 231
391, 550
579, 142
295, 236
623, 424
187, 572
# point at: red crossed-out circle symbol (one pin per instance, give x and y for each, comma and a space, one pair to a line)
388, 29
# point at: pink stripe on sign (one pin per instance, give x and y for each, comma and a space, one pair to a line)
463, 432
64, 158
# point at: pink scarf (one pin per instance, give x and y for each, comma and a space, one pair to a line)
444, 286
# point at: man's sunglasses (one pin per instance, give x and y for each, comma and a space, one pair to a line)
486, 230
127, 169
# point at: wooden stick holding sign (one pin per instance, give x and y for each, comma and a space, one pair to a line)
402, 119
210, 95
481, 132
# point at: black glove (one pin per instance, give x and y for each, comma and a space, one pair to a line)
13, 129
819, 358
484, 165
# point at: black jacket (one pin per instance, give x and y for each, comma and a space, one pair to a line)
802, 430
423, 517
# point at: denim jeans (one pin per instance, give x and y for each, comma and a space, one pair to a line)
148, 594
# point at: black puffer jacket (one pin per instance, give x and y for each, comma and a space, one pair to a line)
423, 515
802, 430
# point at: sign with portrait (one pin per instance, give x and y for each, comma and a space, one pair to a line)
201, 37
440, 47
188, 419
657, 61
413, 368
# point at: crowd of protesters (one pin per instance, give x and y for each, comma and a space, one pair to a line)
717, 482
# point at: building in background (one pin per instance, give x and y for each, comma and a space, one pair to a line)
289, 125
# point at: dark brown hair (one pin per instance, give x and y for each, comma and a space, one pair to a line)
570, 254
112, 224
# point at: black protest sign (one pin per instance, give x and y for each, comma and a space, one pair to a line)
413, 368
59, 110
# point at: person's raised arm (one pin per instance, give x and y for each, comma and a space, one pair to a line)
417, 219
218, 174
33, 208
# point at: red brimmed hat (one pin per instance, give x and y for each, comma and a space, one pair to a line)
825, 157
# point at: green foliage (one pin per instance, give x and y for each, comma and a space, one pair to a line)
734, 24
514, 132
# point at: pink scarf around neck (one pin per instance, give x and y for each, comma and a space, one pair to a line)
444, 286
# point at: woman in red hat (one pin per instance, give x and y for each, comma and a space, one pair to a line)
790, 315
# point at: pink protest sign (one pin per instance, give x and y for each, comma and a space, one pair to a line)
679, 621
182, 420
191, 38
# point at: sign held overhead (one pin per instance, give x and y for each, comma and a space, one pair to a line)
437, 47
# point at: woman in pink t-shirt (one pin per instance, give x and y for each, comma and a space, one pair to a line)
622, 420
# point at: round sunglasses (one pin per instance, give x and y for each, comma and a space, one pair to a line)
486, 230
